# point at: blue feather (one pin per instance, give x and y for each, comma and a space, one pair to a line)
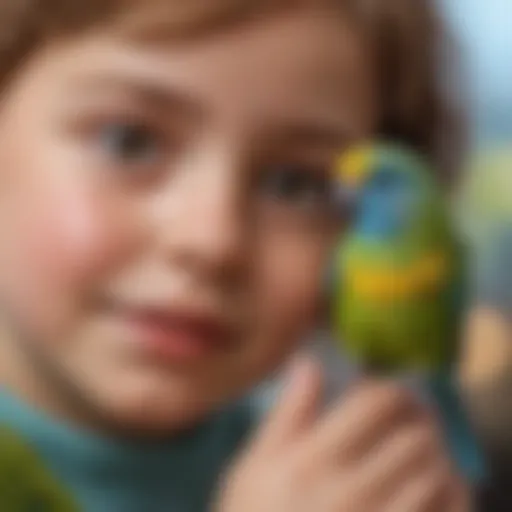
460, 436
442, 387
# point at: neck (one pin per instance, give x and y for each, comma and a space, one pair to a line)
25, 378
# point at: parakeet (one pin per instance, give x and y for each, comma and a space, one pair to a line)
25, 484
398, 278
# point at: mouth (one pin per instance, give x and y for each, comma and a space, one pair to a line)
180, 335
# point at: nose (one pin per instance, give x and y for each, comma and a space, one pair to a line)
202, 221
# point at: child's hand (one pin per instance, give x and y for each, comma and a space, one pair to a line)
377, 451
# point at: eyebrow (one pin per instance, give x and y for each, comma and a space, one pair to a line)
162, 98
150, 93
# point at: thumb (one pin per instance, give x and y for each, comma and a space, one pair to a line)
297, 406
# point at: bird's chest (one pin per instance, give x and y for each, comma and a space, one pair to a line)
389, 303
396, 280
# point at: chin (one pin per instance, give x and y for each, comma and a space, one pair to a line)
155, 410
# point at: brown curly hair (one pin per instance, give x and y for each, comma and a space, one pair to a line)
407, 37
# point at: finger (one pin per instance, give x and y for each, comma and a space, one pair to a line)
424, 493
353, 427
296, 408
407, 452
460, 497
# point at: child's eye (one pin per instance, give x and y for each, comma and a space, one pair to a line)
131, 144
298, 186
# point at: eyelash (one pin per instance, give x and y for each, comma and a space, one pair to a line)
304, 187
150, 144
299, 187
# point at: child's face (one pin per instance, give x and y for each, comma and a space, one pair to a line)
164, 211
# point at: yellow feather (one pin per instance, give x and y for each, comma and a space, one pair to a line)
384, 284
353, 165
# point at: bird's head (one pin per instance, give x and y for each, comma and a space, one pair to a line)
387, 186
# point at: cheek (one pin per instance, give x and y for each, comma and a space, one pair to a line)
66, 235
290, 278
57, 243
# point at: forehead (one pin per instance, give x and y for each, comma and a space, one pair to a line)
306, 60
154, 19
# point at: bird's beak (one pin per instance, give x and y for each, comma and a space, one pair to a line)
352, 168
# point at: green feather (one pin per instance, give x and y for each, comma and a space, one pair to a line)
399, 306
418, 329
25, 484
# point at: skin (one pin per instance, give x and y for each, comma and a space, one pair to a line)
377, 451
188, 220
200, 217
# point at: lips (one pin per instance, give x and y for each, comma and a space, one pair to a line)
178, 336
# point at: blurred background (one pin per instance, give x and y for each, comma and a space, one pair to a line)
482, 34
482, 29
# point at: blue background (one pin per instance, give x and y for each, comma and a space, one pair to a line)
483, 29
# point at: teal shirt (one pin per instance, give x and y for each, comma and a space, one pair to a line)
104, 475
